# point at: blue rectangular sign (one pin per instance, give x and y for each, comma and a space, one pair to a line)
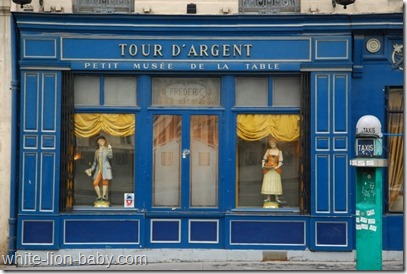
276, 49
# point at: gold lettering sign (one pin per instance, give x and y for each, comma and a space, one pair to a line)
186, 91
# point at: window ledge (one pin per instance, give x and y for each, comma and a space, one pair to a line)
263, 211
82, 209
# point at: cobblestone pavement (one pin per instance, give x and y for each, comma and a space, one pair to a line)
278, 266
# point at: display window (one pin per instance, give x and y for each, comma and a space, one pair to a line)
395, 128
267, 161
104, 159
98, 143
268, 145
184, 121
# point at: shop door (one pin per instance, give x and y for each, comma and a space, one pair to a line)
185, 161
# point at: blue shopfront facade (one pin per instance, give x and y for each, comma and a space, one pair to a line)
343, 65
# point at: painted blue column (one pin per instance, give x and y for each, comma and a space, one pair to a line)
14, 140
39, 135
330, 190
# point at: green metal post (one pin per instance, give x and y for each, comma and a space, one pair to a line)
369, 218
369, 193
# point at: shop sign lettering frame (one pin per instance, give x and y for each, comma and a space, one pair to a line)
103, 6
269, 6
177, 54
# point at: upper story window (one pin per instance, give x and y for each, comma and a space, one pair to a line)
103, 6
269, 6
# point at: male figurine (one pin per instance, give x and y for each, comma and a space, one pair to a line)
103, 168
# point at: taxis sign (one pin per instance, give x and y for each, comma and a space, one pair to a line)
369, 126
365, 147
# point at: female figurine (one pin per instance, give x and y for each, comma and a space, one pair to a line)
271, 164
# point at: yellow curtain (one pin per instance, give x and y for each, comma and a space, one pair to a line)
90, 124
283, 127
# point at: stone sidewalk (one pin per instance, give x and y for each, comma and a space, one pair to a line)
192, 259
276, 266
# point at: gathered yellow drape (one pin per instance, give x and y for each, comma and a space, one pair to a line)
90, 124
283, 127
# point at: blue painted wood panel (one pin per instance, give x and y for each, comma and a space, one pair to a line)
334, 48
30, 102
40, 114
47, 181
48, 142
29, 181
203, 231
322, 183
322, 143
37, 232
340, 104
331, 233
165, 231
267, 232
322, 104
101, 231
340, 143
39, 48
393, 232
340, 183
49, 105
330, 194
30, 142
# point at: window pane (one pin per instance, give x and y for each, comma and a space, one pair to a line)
286, 91
120, 91
167, 168
395, 156
87, 91
251, 92
204, 161
121, 166
186, 92
253, 186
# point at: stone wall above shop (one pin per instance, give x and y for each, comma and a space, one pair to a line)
214, 7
